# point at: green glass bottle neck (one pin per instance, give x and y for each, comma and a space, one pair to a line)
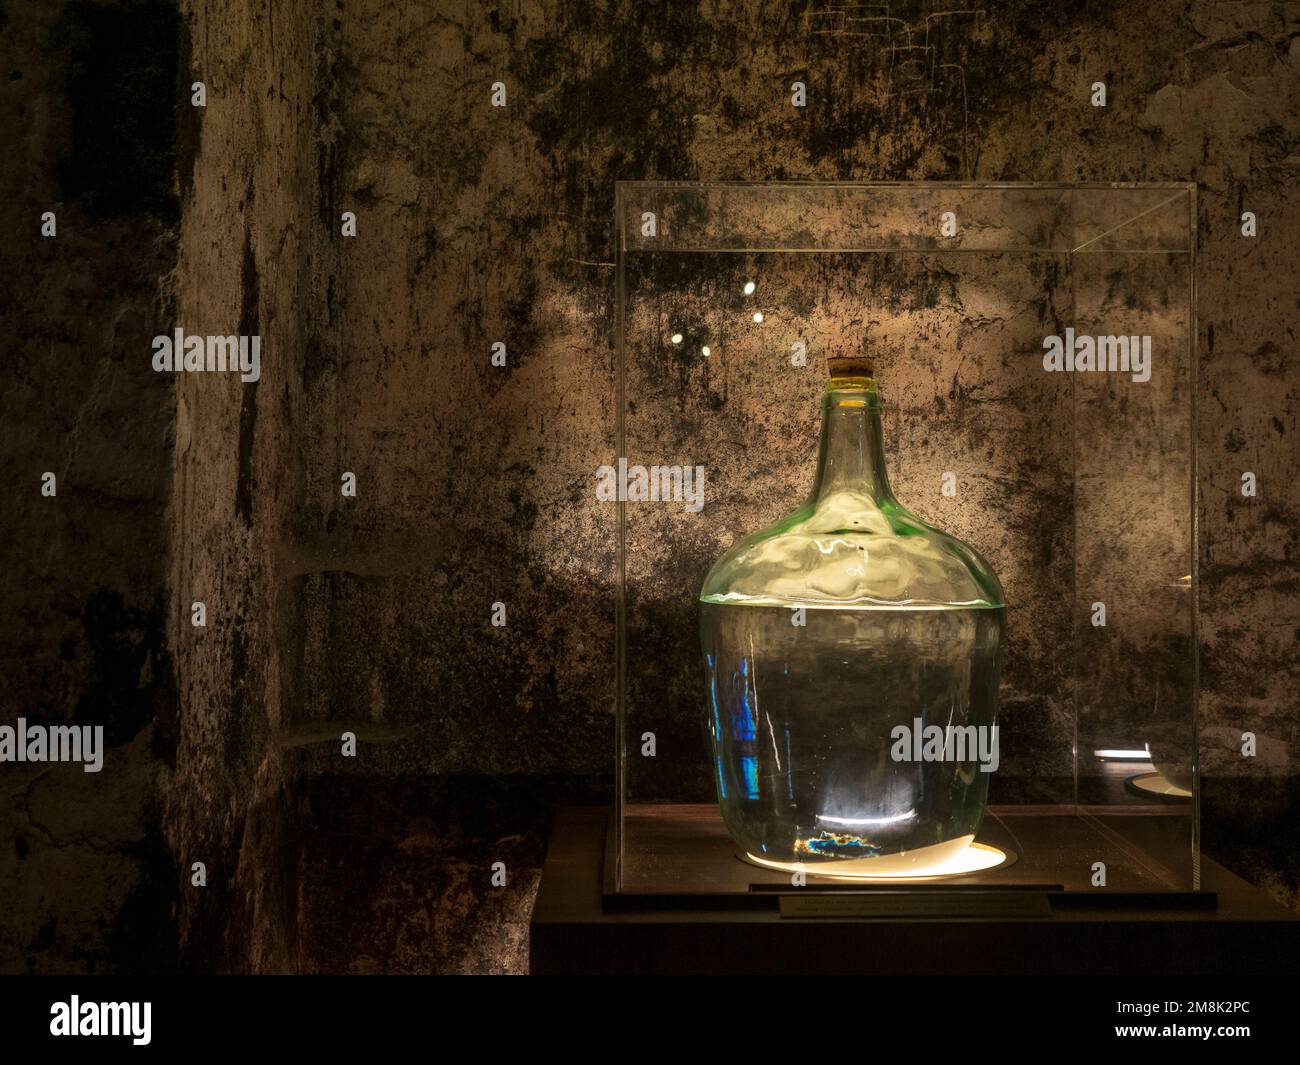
852, 447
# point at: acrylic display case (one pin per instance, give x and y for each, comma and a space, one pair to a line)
1077, 482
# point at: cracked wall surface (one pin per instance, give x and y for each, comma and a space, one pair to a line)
474, 484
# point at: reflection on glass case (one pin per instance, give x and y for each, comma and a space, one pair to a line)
906, 534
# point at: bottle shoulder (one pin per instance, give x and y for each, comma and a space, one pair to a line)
848, 550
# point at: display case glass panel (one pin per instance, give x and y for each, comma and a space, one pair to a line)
1073, 477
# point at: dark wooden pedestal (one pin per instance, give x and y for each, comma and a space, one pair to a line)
576, 927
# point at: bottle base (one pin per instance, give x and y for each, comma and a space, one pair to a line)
957, 857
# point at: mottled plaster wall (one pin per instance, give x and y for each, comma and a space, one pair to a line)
247, 267
478, 224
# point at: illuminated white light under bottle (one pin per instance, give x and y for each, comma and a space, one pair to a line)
959, 857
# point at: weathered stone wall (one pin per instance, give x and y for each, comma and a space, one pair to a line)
82, 873
474, 484
478, 224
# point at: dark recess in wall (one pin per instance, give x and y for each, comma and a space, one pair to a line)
122, 149
128, 659
248, 326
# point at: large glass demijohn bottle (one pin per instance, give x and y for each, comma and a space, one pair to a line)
833, 643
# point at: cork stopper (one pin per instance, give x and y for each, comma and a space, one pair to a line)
851, 366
